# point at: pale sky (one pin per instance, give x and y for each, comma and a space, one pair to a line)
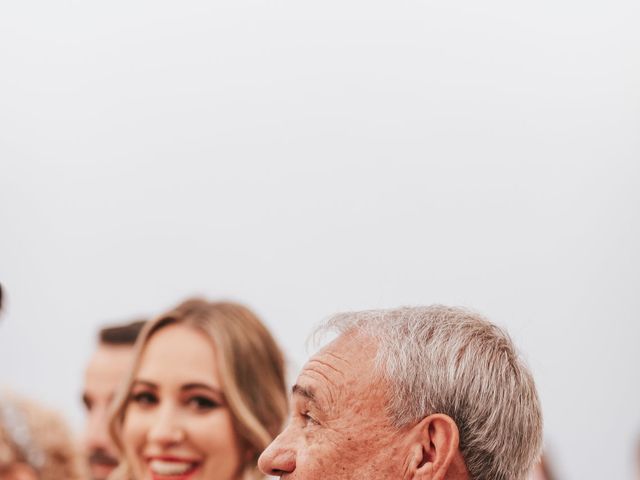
307, 158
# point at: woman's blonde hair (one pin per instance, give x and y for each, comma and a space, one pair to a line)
251, 368
38, 438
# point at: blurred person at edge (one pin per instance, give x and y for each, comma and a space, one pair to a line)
417, 393
1, 299
107, 369
35, 444
638, 459
206, 396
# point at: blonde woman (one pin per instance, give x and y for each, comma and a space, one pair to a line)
206, 395
35, 444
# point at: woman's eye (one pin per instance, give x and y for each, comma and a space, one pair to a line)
144, 398
202, 403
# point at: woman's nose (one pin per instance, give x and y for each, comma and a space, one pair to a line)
166, 428
279, 458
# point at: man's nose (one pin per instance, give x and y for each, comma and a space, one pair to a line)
279, 457
97, 431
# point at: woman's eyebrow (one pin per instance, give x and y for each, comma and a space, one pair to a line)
145, 383
196, 385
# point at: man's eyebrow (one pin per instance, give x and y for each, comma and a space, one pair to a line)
311, 395
306, 392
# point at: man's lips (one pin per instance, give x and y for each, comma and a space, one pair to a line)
100, 471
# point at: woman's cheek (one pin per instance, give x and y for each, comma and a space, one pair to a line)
133, 435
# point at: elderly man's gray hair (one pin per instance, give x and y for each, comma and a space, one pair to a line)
452, 361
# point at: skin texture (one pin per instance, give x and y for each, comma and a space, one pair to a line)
19, 471
339, 428
177, 409
538, 473
106, 370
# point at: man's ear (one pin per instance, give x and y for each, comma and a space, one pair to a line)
435, 453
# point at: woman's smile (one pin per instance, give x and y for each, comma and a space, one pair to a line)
177, 425
172, 468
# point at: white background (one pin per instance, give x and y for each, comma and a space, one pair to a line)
310, 157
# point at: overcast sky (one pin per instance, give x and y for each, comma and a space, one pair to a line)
311, 157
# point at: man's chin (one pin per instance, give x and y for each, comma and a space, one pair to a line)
101, 472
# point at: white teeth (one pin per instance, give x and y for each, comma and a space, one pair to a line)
169, 468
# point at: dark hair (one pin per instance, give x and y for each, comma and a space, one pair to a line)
0, 296
121, 334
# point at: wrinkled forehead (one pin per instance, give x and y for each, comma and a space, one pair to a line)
350, 344
343, 367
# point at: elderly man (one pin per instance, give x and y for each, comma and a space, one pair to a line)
420, 393
106, 370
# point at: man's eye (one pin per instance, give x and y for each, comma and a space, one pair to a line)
308, 419
144, 398
202, 403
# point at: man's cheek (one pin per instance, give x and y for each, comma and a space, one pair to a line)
327, 457
318, 459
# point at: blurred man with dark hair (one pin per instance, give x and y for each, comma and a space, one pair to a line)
107, 368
